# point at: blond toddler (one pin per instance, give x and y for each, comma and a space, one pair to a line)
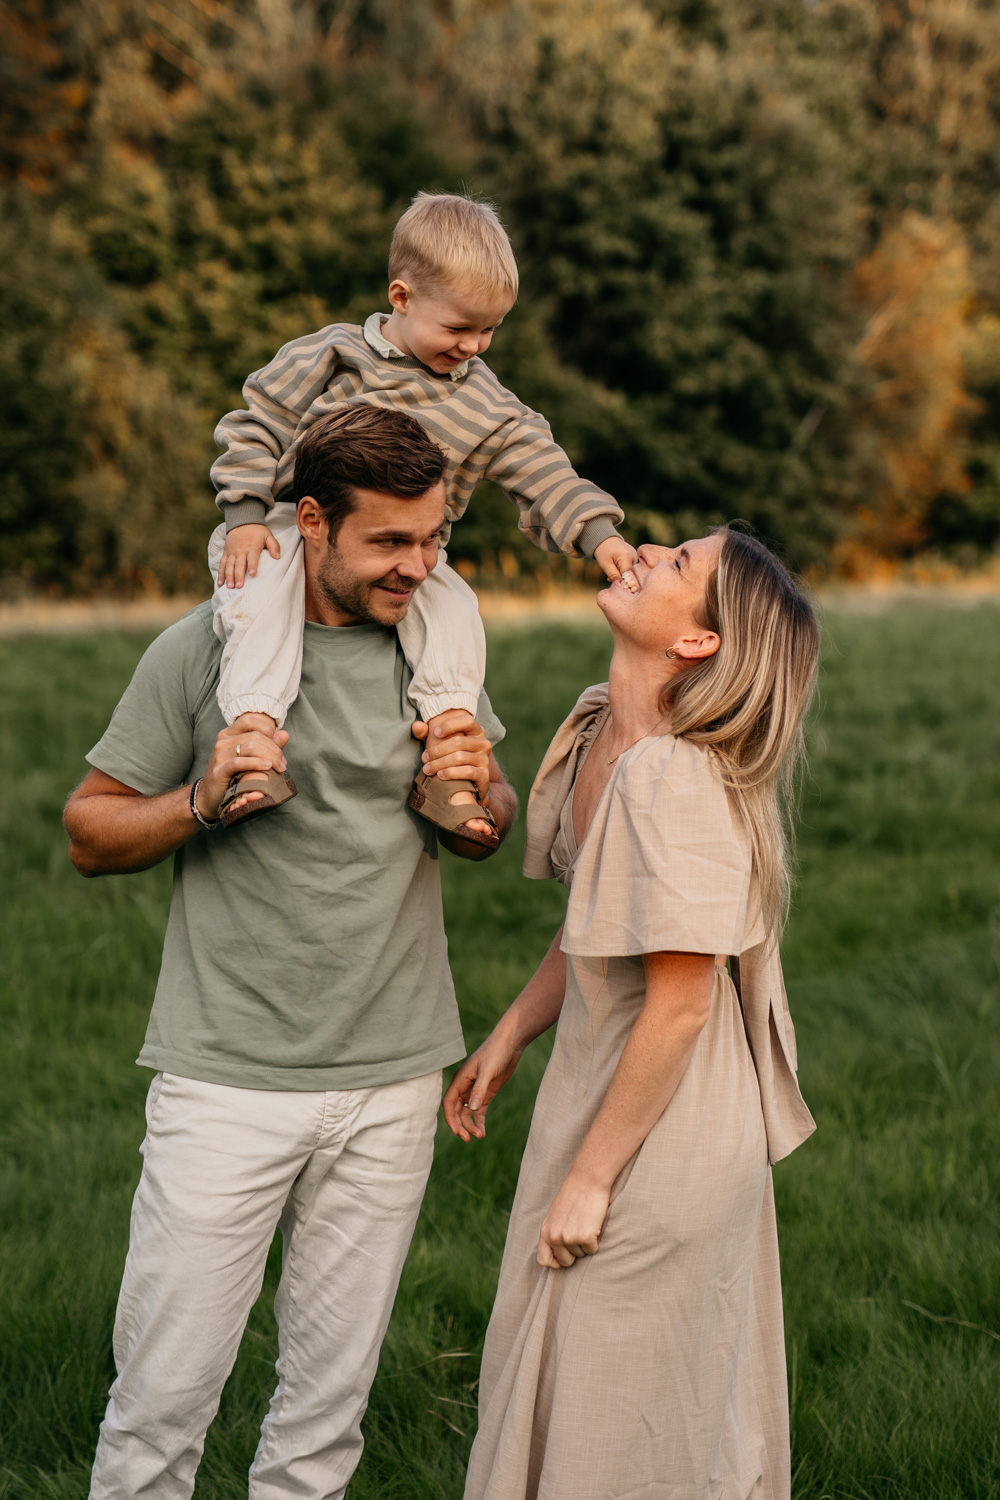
452, 279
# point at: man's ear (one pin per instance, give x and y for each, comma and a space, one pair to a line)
311, 520
694, 648
400, 295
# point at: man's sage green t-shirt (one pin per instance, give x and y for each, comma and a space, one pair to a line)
305, 947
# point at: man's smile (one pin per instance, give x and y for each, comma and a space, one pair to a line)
395, 588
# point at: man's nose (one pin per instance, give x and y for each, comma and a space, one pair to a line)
412, 565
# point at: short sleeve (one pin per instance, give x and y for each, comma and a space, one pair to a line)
149, 744
665, 866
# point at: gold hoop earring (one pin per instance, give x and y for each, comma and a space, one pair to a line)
671, 654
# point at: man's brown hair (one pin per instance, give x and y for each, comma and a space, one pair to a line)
365, 448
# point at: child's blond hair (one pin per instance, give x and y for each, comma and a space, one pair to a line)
444, 239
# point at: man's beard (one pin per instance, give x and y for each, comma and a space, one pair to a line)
350, 595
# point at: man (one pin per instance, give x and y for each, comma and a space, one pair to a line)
304, 1008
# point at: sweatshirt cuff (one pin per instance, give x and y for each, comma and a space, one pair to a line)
246, 512
595, 531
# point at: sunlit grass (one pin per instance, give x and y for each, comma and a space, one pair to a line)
888, 1217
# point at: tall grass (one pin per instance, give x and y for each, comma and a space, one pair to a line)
888, 1216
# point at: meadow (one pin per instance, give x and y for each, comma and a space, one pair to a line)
889, 1216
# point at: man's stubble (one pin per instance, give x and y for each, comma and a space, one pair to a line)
344, 592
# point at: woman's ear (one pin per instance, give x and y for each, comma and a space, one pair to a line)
695, 647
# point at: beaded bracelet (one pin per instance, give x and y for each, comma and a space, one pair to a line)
211, 824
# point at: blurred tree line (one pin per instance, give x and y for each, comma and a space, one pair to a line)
759, 246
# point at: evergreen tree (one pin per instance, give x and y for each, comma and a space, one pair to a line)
688, 227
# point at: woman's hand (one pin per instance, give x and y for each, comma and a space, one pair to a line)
573, 1224
479, 1079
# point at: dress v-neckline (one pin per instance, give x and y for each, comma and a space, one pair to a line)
584, 750
586, 745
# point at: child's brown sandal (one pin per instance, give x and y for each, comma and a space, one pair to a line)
431, 798
275, 790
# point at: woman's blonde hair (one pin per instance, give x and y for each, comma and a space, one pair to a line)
444, 239
748, 702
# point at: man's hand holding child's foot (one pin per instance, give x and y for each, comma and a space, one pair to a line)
242, 553
617, 558
456, 749
251, 751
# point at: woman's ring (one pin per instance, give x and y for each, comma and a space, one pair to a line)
238, 749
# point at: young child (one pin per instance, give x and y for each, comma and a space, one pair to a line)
452, 279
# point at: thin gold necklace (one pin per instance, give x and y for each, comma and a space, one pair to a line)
612, 758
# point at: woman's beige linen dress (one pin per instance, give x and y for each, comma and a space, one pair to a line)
654, 1370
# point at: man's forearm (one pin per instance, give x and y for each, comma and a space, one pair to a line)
502, 803
114, 834
115, 830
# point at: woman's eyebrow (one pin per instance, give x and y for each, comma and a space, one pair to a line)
684, 556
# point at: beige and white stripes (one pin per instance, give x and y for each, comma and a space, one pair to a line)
484, 430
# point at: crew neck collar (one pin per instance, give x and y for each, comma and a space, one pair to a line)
375, 338
363, 628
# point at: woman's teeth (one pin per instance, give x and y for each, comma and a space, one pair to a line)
631, 582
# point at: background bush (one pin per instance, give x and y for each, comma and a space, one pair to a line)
758, 244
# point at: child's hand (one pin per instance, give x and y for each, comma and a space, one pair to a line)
616, 557
241, 554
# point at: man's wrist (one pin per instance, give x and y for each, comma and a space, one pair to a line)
501, 799
209, 823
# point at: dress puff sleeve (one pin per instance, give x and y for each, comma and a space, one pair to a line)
666, 865
555, 778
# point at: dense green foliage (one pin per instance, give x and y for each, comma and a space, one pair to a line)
758, 242
887, 1216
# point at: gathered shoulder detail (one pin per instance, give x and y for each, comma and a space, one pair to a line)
556, 774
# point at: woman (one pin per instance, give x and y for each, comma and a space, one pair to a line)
635, 1350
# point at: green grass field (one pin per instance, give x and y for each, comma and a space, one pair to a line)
889, 1216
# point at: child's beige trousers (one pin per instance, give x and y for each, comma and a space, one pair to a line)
260, 626
343, 1172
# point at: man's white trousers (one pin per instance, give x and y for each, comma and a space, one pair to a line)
343, 1172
